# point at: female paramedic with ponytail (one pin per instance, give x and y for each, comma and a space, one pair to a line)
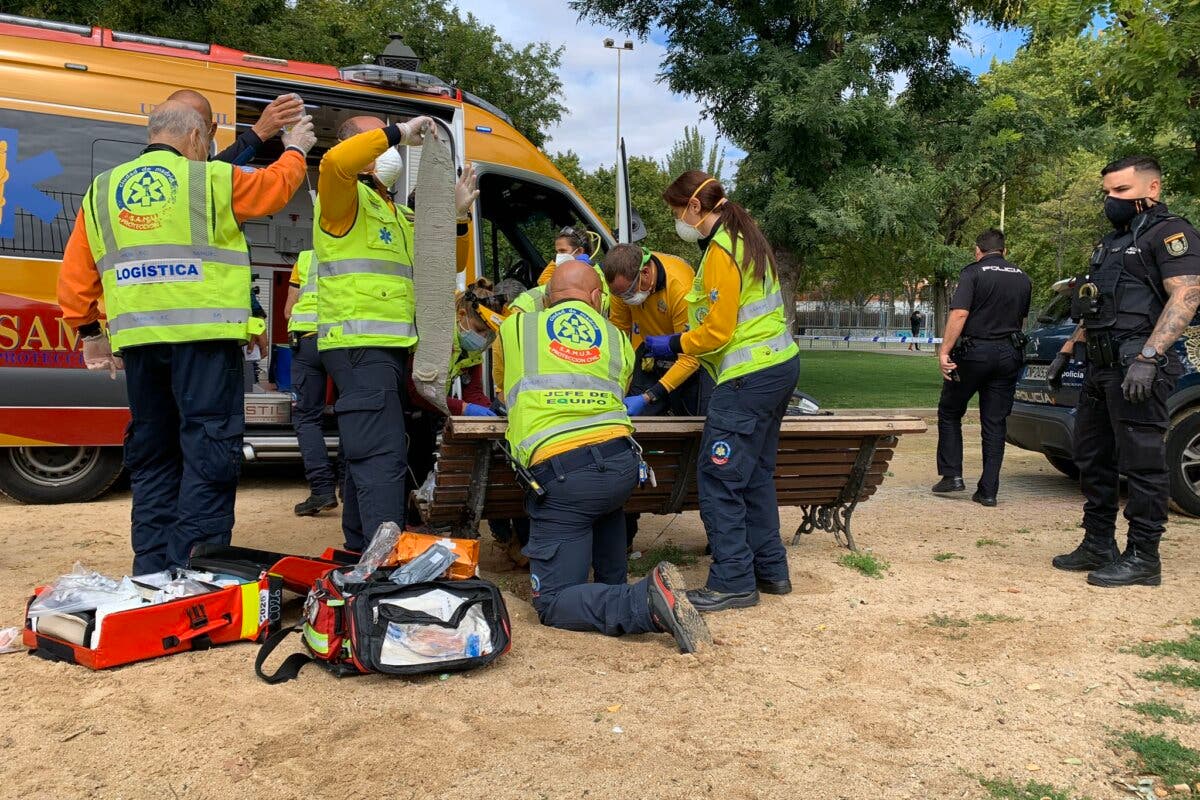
737, 329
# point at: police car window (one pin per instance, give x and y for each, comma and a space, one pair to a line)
1056, 311
521, 220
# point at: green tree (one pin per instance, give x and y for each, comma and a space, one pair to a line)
689, 152
455, 47
805, 90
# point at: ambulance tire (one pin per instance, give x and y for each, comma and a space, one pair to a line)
48, 475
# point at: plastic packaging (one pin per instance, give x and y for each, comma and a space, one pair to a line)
82, 590
376, 554
428, 566
10, 640
415, 643
180, 587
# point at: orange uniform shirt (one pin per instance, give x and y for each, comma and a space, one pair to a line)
256, 193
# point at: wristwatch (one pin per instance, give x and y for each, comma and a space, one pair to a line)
1150, 354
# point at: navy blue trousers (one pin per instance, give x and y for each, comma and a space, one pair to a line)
990, 369
578, 525
735, 477
308, 411
183, 447
371, 383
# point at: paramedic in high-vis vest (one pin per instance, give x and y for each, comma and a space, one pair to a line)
159, 241
566, 372
308, 388
739, 333
366, 314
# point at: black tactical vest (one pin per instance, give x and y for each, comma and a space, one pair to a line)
1101, 301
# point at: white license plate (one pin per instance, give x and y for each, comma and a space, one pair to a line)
1035, 372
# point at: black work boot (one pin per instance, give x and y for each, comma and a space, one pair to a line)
774, 587
1135, 567
315, 504
1091, 554
670, 610
949, 483
983, 499
707, 601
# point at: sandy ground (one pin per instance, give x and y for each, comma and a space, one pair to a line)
843, 689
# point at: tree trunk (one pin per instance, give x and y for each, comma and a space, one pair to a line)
790, 269
941, 303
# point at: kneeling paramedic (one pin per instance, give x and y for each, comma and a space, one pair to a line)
160, 239
366, 311
566, 371
738, 331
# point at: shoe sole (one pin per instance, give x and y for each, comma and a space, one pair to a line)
692, 630
1078, 569
726, 605
948, 491
1152, 581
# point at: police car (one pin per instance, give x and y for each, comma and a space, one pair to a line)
1043, 419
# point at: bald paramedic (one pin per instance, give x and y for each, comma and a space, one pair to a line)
366, 310
566, 372
159, 242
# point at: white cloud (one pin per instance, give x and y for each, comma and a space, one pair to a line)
652, 117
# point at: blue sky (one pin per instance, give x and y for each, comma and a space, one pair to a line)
652, 117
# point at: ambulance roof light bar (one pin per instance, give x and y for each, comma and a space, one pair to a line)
393, 78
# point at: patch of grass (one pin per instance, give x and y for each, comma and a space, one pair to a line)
946, 556
870, 565
945, 621
1158, 711
1008, 790
1188, 677
1188, 649
1022, 530
990, 618
1162, 755
989, 543
851, 379
663, 552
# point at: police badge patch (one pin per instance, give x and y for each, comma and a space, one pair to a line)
1176, 244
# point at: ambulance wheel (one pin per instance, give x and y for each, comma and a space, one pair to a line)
46, 475
1183, 462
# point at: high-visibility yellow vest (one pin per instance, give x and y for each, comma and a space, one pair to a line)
461, 361
566, 369
530, 300
365, 294
761, 338
172, 258
605, 291
304, 312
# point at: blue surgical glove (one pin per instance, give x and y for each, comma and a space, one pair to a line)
474, 410
659, 346
635, 404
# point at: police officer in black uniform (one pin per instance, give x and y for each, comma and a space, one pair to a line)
981, 352
1139, 294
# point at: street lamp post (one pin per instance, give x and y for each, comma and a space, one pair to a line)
611, 45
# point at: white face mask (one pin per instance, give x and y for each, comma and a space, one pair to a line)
637, 299
388, 166
686, 232
562, 258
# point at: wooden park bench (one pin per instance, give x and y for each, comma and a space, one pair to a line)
827, 465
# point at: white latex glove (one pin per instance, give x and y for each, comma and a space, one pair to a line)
466, 190
413, 132
301, 135
98, 354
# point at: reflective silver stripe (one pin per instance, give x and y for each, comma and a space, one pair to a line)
310, 282
312, 318
744, 354
575, 424
197, 207
369, 327
103, 221
760, 308
563, 380
172, 252
529, 338
131, 320
364, 266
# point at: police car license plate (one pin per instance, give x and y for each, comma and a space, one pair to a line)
1035, 372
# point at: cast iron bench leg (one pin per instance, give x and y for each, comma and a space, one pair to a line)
835, 517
